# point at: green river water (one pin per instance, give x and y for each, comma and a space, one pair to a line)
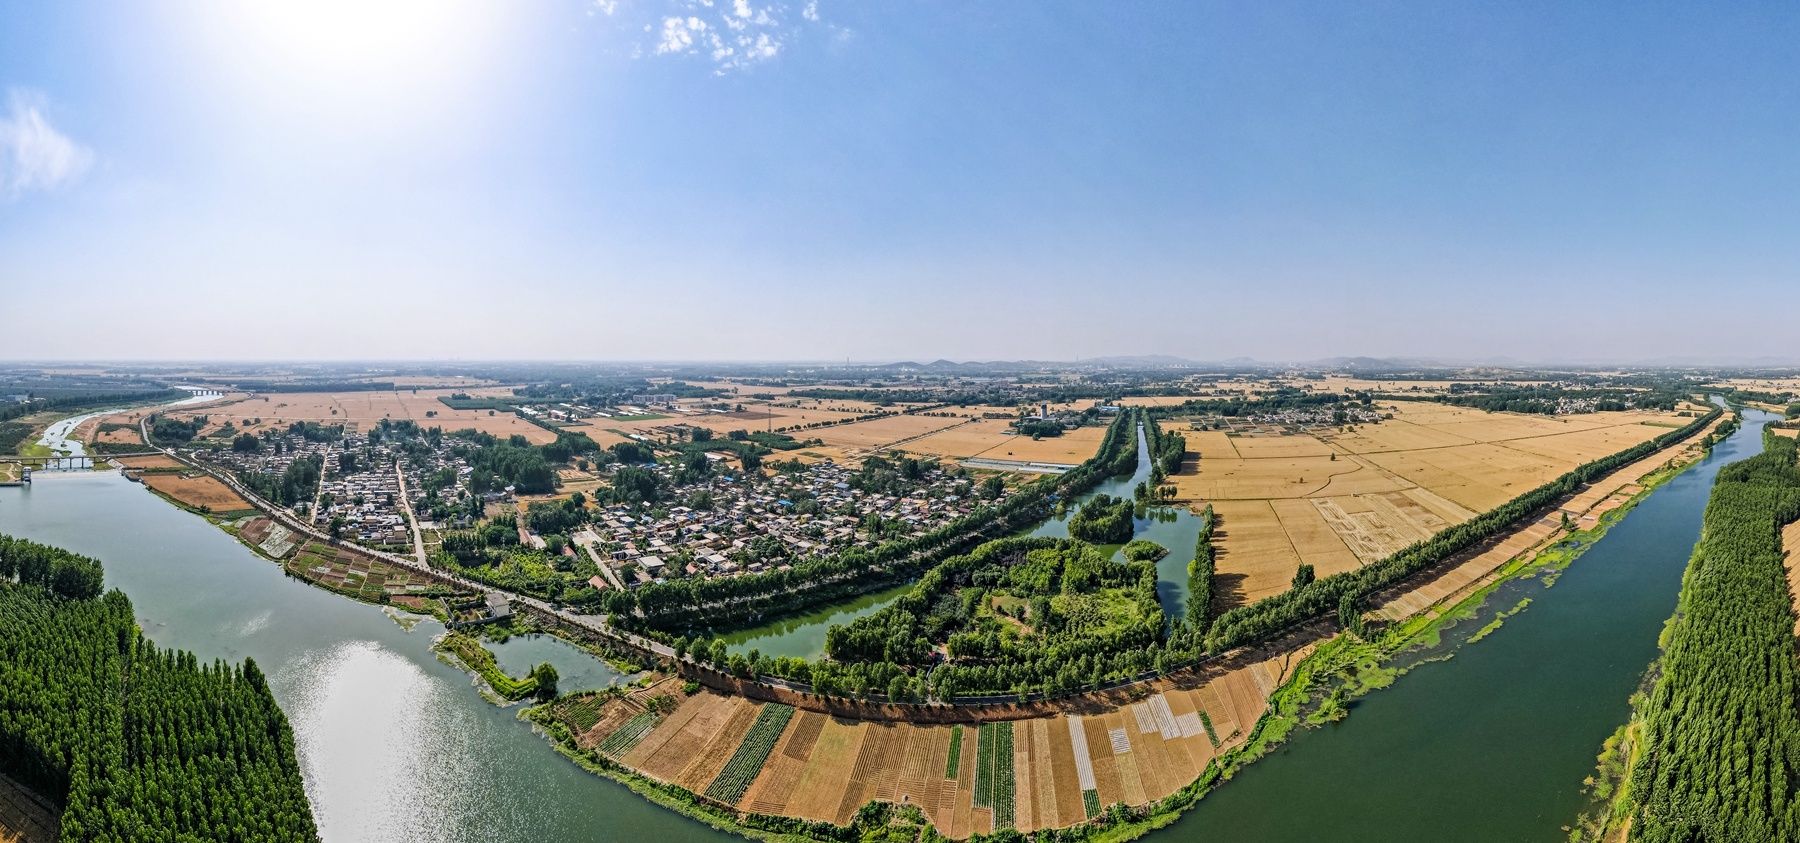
395, 745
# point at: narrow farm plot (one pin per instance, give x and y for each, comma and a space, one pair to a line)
735, 778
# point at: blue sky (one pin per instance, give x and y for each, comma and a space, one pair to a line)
657, 179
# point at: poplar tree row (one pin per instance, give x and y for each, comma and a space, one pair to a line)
1720, 753
133, 741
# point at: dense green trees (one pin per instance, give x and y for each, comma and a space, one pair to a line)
1089, 619
1103, 520
295, 484
1654, 394
635, 484
61, 572
1200, 573
178, 431
1286, 398
1166, 449
1720, 753
512, 462
136, 742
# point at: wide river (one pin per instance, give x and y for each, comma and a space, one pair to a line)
395, 745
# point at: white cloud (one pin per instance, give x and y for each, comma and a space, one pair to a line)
33, 154
678, 34
732, 34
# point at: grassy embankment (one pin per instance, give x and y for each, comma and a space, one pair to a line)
476, 658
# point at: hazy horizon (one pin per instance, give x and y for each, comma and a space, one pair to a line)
662, 180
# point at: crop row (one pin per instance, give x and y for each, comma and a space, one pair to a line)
1004, 786
994, 784
748, 760
627, 736
955, 759
581, 713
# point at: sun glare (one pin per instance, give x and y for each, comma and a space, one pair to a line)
349, 55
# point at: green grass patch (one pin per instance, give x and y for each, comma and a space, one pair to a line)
956, 733
994, 782
624, 738
984, 766
1109, 611
478, 659
751, 753
1090, 799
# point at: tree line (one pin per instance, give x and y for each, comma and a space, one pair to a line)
1720, 754
132, 741
1200, 573
87, 399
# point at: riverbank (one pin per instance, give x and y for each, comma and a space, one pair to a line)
1193, 717
1707, 752
1124, 762
395, 744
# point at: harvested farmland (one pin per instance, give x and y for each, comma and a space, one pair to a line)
361, 411
197, 491
883, 432
1341, 498
995, 439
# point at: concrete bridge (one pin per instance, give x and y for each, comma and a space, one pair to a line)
16, 470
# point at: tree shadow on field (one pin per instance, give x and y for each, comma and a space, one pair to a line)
1228, 592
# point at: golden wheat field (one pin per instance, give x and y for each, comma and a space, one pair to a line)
994, 439
361, 411
1344, 498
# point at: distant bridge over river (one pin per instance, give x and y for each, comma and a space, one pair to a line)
16, 470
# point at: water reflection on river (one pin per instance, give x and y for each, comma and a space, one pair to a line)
395, 745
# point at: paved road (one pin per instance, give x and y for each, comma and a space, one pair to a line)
406, 502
